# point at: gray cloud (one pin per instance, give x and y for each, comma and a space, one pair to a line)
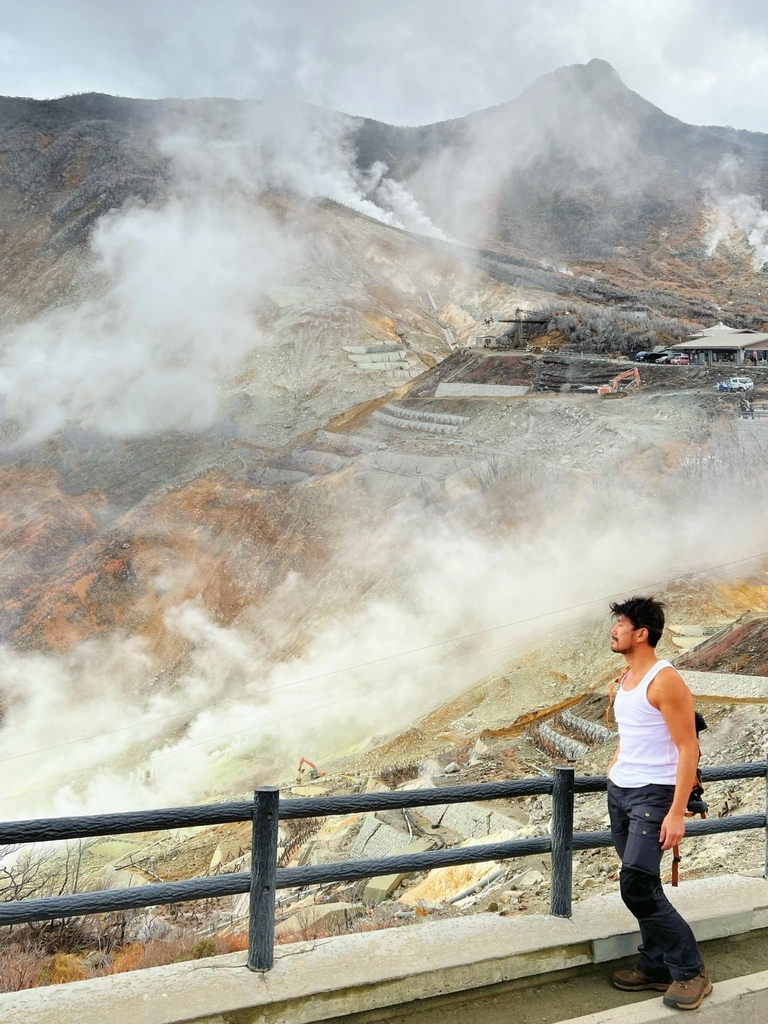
409, 61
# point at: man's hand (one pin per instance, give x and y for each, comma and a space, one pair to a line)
672, 830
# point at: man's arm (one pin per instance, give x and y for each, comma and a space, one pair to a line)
672, 697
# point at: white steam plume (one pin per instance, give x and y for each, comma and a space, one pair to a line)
178, 317
442, 583
181, 285
285, 144
744, 214
737, 212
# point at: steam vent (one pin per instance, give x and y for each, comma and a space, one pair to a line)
325, 445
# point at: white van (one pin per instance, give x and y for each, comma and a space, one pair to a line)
736, 384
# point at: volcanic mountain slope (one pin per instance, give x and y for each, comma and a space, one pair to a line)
578, 168
281, 600
225, 469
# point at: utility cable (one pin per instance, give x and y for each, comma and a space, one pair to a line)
319, 703
390, 657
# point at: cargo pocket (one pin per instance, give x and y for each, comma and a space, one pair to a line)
643, 849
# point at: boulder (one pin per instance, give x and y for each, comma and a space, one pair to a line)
227, 850
374, 785
321, 918
379, 888
332, 842
468, 820
376, 838
446, 884
527, 879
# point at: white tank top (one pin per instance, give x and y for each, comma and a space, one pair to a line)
647, 754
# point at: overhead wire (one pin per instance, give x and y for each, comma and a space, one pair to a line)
384, 658
358, 693
293, 710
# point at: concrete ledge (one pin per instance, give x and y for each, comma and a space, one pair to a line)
314, 981
471, 390
743, 1000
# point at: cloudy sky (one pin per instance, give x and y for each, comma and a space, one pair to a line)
402, 61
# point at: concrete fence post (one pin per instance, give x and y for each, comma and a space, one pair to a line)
562, 843
261, 915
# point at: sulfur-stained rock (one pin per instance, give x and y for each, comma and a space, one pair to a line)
379, 888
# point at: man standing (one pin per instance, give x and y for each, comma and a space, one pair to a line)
649, 781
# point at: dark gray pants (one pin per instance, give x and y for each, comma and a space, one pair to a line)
668, 948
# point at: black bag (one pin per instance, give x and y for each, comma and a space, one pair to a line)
696, 803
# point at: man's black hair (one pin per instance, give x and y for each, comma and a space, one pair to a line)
642, 612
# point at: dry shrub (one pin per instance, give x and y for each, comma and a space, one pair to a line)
155, 953
127, 959
204, 948
233, 943
159, 952
26, 966
19, 967
61, 969
308, 933
373, 922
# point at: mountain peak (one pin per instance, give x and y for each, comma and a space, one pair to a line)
596, 74
599, 68
595, 77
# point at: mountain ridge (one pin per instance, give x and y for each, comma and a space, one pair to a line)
575, 165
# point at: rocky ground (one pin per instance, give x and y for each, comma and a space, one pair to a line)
490, 733
522, 689
247, 515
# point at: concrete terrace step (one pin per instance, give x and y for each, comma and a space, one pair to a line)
348, 444
359, 350
383, 366
329, 978
726, 685
387, 358
374, 358
272, 476
558, 744
402, 374
401, 423
406, 412
313, 461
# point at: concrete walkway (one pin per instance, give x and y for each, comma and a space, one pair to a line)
738, 1001
315, 981
553, 998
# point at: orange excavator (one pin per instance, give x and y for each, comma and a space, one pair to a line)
313, 773
612, 390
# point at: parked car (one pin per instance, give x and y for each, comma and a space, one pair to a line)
736, 384
680, 360
647, 357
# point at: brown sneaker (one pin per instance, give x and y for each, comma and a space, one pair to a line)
636, 981
688, 994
